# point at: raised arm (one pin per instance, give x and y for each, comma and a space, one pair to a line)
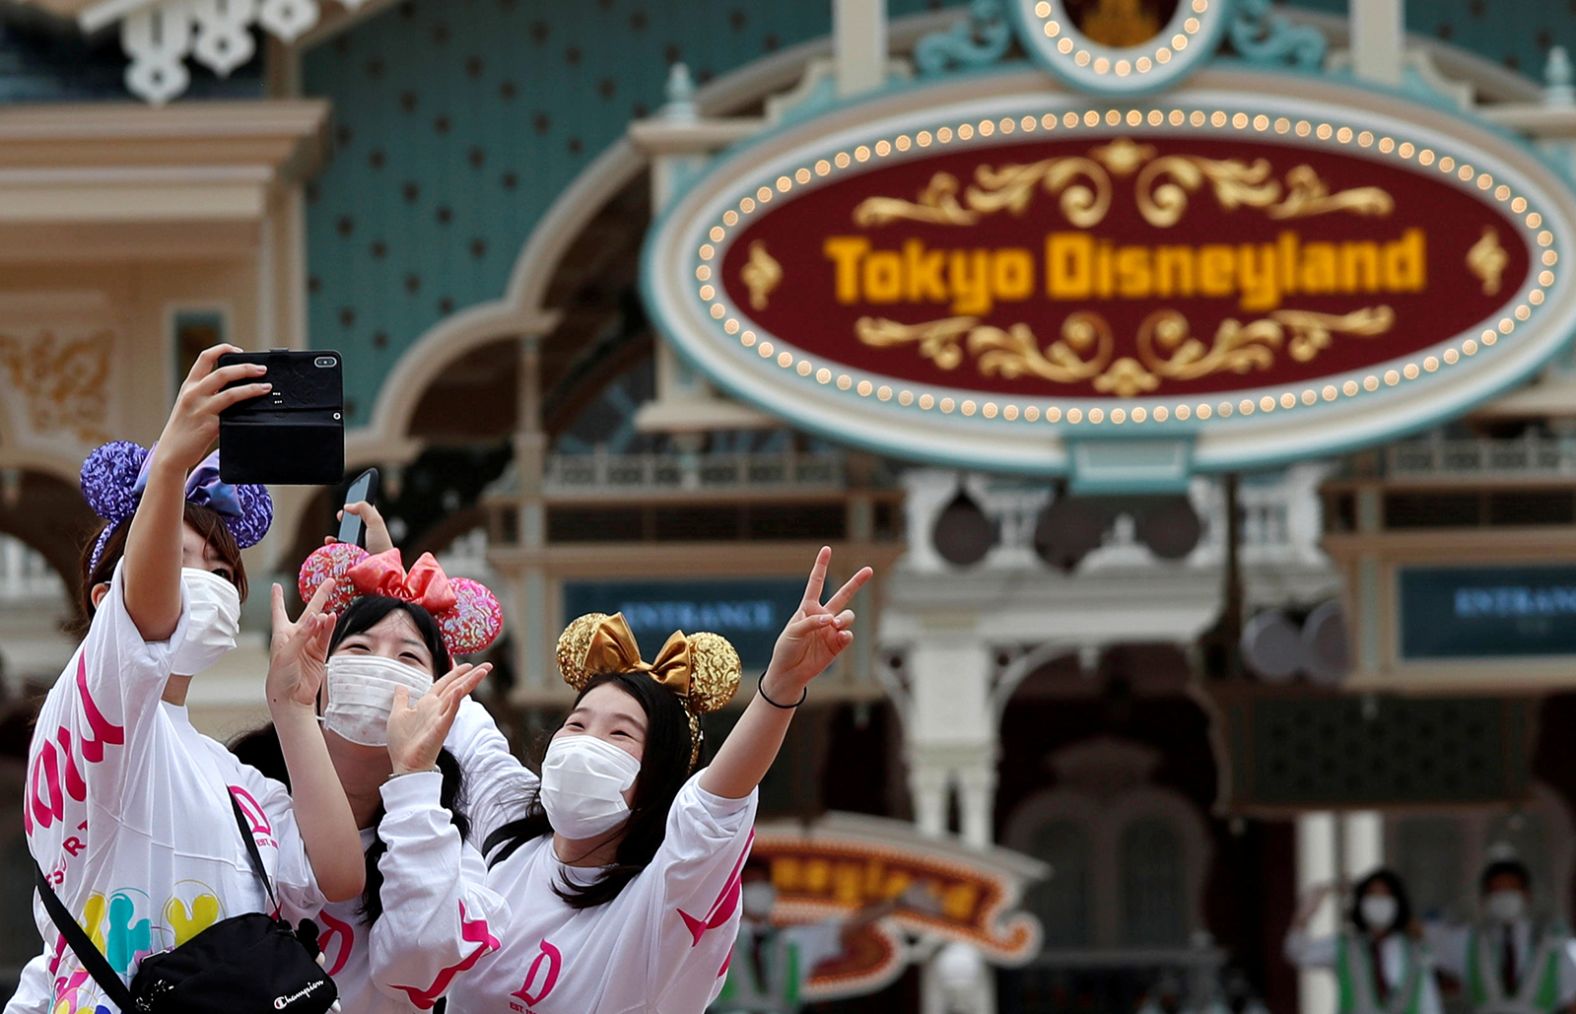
295, 674
438, 917
152, 562
814, 637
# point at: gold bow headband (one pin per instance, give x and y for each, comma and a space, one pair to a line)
703, 669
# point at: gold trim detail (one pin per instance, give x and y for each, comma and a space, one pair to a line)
1085, 350
1487, 259
65, 381
761, 275
1162, 189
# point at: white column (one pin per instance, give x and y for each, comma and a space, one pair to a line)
1316, 864
1362, 843
977, 800
859, 40
929, 785
1378, 39
530, 461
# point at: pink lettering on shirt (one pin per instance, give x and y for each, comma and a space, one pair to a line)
724, 906
54, 773
340, 932
471, 931
555, 960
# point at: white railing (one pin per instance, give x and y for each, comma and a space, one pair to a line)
621, 474
1436, 456
1281, 522
25, 576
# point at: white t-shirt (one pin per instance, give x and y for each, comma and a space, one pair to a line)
511, 944
126, 811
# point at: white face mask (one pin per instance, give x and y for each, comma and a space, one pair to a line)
361, 695
583, 785
1506, 906
758, 897
1378, 912
213, 617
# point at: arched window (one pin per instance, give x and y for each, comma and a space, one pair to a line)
1061, 901
1154, 890
1429, 854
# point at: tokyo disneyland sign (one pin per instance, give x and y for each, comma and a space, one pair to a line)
1192, 269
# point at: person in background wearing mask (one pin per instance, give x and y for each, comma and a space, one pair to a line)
620, 865
129, 810
772, 964
1508, 963
1380, 967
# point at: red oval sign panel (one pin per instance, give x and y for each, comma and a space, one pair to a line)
1122, 266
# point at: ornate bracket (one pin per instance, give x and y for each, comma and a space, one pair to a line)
979, 41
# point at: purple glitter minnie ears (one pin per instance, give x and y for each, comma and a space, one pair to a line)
115, 474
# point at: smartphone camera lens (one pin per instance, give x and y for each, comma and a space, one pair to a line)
324, 362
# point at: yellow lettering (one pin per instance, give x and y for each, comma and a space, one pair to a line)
845, 252
969, 272
1068, 267
1256, 273
1133, 276
1359, 267
1405, 262
1215, 265
1012, 274
1174, 265
1318, 268
923, 268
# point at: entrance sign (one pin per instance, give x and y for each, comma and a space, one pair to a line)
845, 862
1259, 268
1487, 612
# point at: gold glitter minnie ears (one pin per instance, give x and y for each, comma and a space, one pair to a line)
703, 669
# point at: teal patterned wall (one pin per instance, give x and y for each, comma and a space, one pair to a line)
1513, 33
457, 122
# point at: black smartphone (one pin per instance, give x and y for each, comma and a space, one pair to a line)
295, 434
364, 488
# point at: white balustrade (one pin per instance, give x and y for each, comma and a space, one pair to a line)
1478, 459
620, 474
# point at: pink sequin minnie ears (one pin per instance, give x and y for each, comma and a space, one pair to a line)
115, 474
469, 616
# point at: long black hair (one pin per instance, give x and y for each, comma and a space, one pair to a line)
664, 767
260, 748
1403, 902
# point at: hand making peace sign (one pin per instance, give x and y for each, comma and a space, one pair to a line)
816, 634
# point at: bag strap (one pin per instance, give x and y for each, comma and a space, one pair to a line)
88, 955
251, 851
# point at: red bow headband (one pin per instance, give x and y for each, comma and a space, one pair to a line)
469, 616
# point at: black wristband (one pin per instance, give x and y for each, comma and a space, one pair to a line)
760, 688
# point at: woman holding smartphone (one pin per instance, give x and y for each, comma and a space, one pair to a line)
128, 805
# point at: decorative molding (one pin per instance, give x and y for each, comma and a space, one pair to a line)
64, 381
160, 35
979, 41
1262, 36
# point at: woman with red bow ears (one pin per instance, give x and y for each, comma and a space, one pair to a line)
397, 632
621, 863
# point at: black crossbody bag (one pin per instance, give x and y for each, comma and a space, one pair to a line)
247, 964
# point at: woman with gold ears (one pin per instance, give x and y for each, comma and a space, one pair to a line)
621, 864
